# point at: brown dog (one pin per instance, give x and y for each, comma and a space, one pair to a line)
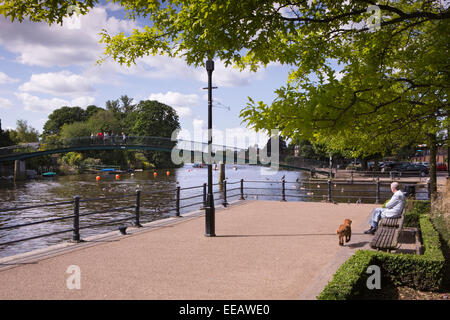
345, 230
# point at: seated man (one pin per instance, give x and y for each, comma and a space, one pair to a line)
393, 208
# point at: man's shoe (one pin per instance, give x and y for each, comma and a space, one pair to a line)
370, 231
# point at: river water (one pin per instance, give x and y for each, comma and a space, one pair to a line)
153, 206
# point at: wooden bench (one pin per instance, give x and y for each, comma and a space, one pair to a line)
386, 236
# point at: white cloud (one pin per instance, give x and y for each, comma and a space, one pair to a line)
112, 6
182, 103
5, 103
62, 83
5, 79
39, 44
37, 104
166, 67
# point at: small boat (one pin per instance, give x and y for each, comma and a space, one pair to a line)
109, 170
49, 174
197, 165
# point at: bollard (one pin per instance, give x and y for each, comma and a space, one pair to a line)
177, 209
137, 209
242, 190
329, 190
76, 219
377, 199
224, 203
283, 190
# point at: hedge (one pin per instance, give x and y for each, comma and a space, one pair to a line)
423, 272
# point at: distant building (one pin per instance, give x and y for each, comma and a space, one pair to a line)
423, 154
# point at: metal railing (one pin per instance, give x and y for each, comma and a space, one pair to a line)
241, 188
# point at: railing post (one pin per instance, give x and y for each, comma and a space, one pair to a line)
242, 190
283, 190
377, 199
76, 219
137, 209
177, 212
329, 190
204, 195
224, 203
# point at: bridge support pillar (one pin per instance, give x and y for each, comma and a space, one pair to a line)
19, 170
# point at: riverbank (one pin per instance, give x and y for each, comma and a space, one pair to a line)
263, 250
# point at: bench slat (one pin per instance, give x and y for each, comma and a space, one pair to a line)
386, 237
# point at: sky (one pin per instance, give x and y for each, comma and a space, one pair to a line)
43, 68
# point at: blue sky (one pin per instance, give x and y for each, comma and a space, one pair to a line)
43, 68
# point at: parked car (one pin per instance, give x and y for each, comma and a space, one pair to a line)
441, 166
394, 166
426, 164
415, 168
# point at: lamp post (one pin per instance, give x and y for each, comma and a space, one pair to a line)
210, 210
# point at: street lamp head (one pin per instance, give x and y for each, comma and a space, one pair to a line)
209, 65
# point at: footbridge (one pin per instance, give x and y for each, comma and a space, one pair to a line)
182, 150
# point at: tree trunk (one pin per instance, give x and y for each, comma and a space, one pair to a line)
433, 178
364, 164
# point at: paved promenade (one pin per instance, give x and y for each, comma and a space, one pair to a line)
263, 250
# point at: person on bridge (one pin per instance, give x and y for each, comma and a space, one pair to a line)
394, 208
100, 136
124, 138
105, 137
112, 137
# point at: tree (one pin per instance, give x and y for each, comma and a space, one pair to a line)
75, 130
61, 116
91, 110
152, 118
126, 104
24, 133
5, 139
104, 120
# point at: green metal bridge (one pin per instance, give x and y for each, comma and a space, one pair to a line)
188, 151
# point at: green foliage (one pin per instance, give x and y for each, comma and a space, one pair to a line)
91, 110
64, 115
423, 272
152, 118
75, 129
23, 133
413, 215
5, 139
73, 159
350, 278
48, 11
104, 120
